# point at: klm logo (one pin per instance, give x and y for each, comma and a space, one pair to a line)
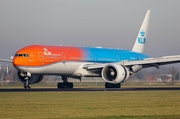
142, 33
141, 39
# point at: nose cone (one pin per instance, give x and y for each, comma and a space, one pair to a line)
20, 63
19, 60
16, 62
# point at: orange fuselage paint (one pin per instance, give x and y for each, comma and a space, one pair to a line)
41, 55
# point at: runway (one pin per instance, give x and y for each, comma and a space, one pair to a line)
87, 89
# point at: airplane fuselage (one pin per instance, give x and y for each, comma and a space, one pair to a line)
63, 60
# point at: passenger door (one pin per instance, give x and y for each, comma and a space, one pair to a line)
41, 58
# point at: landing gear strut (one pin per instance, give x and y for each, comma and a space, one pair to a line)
65, 83
109, 85
27, 85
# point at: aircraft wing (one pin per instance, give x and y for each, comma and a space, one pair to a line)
147, 62
154, 62
6, 60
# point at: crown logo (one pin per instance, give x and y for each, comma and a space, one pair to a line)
142, 33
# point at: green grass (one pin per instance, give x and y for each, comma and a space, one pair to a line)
90, 105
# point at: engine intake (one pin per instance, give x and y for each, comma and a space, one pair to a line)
115, 73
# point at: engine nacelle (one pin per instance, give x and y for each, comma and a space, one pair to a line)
32, 79
115, 73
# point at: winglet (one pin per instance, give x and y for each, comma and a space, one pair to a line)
142, 35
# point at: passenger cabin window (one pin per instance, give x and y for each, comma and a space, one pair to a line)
21, 55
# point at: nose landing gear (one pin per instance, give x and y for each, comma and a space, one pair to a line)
27, 85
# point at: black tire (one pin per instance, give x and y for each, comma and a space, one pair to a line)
70, 85
60, 85
65, 85
109, 85
29, 86
25, 86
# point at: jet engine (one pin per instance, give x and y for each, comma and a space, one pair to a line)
32, 79
115, 73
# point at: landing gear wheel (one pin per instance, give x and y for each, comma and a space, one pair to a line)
60, 85
109, 85
65, 85
27, 86
70, 85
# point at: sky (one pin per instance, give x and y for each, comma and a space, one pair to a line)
105, 23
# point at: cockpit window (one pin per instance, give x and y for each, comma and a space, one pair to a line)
26, 55
21, 55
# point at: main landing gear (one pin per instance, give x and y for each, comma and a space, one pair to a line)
65, 83
109, 85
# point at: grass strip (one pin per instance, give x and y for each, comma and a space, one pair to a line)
90, 105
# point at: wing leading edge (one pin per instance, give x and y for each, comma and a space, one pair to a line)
154, 62
147, 62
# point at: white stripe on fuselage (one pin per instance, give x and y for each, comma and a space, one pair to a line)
59, 68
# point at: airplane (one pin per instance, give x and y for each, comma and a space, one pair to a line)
115, 66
